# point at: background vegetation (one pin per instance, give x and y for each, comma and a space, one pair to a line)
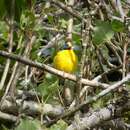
36, 96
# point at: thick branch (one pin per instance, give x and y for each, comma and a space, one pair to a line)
116, 124
100, 116
31, 108
91, 100
7, 117
50, 69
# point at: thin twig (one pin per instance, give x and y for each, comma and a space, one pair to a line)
64, 7
100, 60
15, 67
51, 43
119, 5
10, 45
99, 77
114, 49
67, 92
124, 59
84, 58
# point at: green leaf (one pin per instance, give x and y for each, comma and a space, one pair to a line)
102, 32
27, 20
6, 6
4, 29
19, 6
76, 38
98, 104
117, 26
128, 14
50, 19
60, 125
34, 51
2, 8
63, 23
2, 127
48, 87
27, 124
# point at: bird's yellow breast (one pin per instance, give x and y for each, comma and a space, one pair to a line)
66, 60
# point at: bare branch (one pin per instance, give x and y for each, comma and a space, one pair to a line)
116, 124
100, 116
119, 5
51, 70
72, 12
51, 43
7, 117
31, 108
93, 99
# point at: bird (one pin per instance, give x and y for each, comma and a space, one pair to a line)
66, 60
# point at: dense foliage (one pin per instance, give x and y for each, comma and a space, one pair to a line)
31, 97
